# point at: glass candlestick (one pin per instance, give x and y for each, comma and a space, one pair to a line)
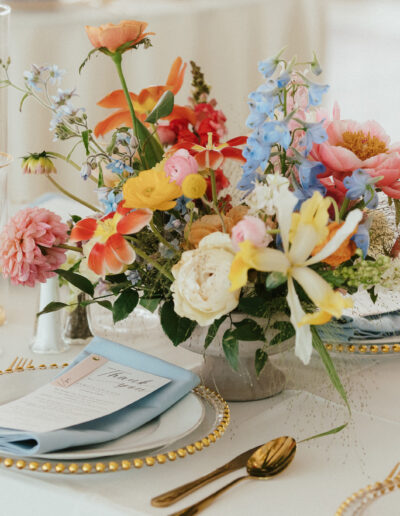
5, 160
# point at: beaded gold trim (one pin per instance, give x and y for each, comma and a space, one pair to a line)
363, 349
359, 500
43, 466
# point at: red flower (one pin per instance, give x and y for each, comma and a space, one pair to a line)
110, 252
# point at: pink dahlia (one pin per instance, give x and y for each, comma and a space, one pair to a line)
27, 246
352, 145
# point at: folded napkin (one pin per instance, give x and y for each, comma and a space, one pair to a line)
118, 423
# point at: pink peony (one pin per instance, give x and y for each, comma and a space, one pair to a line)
27, 246
352, 145
180, 165
250, 228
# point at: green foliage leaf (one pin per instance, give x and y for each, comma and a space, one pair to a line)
286, 331
150, 303
85, 138
335, 430
110, 147
177, 328
253, 306
54, 306
75, 218
230, 346
372, 294
77, 280
27, 94
274, 279
152, 150
247, 329
100, 179
213, 330
87, 59
163, 107
327, 361
124, 305
105, 304
260, 359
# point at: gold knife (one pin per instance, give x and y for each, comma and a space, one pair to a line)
172, 496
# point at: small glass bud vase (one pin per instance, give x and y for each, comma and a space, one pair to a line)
48, 331
76, 327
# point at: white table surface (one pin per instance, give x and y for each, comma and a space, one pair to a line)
324, 472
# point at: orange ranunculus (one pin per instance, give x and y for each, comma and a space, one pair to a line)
144, 102
343, 253
113, 36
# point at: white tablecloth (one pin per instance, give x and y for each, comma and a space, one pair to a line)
324, 472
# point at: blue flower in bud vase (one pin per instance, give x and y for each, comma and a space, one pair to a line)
276, 132
55, 74
361, 238
110, 201
119, 167
133, 276
315, 133
316, 92
361, 184
34, 77
86, 171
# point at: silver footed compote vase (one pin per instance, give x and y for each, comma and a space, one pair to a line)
244, 383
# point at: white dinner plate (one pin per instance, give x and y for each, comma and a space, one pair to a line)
177, 422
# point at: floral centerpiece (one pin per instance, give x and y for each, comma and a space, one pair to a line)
174, 230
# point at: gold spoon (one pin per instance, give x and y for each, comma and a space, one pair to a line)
267, 461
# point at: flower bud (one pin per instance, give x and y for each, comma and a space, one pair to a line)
38, 164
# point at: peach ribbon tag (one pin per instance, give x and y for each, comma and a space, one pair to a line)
84, 368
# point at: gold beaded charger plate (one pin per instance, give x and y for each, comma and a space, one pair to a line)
208, 424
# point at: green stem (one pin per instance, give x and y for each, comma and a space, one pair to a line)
343, 209
72, 196
117, 58
215, 197
161, 238
146, 257
61, 156
70, 247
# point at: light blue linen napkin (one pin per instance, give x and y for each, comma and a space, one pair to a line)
116, 424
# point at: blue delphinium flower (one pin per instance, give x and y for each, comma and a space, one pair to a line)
268, 66
316, 92
181, 204
55, 74
283, 79
361, 184
309, 182
247, 181
86, 171
315, 66
110, 201
265, 99
315, 133
119, 167
276, 132
361, 238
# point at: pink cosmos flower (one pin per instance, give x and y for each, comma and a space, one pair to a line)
27, 246
352, 145
180, 165
250, 228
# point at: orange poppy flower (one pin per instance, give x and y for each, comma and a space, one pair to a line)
109, 251
144, 102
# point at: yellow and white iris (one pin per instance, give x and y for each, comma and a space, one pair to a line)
300, 233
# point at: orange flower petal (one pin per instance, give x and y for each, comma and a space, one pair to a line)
83, 230
176, 76
121, 248
134, 221
96, 259
116, 99
236, 154
120, 118
182, 112
114, 265
239, 140
209, 159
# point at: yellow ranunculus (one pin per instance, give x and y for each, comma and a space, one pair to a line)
194, 186
151, 189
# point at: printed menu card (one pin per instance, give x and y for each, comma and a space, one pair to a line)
92, 389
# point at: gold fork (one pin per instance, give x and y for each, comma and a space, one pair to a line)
19, 364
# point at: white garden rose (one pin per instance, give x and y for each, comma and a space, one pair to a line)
201, 287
